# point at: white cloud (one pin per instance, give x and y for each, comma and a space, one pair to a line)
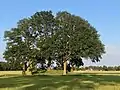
112, 56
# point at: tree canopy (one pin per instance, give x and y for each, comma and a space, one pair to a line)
62, 37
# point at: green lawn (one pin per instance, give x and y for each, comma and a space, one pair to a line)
58, 82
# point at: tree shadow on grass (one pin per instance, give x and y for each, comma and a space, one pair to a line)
45, 82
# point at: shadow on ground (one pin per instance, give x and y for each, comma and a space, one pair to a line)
44, 82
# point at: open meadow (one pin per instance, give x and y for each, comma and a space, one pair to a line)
82, 80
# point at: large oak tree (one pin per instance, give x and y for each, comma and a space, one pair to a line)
62, 37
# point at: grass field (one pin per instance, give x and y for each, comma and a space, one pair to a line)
87, 80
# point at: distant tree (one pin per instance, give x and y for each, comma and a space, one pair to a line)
110, 68
4, 66
118, 68
105, 68
1, 68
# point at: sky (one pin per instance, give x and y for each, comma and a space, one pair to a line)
104, 15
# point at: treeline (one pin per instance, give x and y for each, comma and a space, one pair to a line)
100, 68
4, 66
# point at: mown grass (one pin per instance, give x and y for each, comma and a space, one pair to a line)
73, 81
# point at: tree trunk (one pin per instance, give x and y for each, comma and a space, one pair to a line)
29, 72
65, 66
48, 69
72, 69
23, 71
